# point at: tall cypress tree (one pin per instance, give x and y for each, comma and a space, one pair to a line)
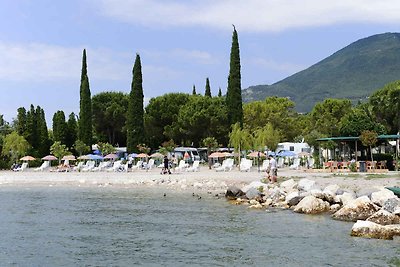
219, 92
208, 89
85, 112
194, 90
21, 122
134, 118
234, 91
43, 134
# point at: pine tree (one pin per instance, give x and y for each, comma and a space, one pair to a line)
31, 129
208, 89
21, 122
219, 92
134, 118
85, 112
194, 90
234, 92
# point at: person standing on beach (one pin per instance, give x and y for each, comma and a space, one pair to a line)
166, 166
273, 170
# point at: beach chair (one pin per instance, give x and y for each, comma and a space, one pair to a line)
182, 166
149, 165
45, 165
115, 167
90, 166
280, 163
265, 165
245, 165
79, 166
227, 165
295, 165
23, 167
138, 165
195, 167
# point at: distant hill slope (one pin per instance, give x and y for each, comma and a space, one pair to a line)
353, 72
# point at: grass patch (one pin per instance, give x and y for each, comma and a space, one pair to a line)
375, 176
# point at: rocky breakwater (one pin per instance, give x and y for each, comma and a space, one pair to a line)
375, 211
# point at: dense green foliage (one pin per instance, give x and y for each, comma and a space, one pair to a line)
109, 117
234, 92
208, 88
14, 146
353, 72
135, 116
161, 113
60, 127
385, 106
59, 150
85, 104
72, 131
194, 90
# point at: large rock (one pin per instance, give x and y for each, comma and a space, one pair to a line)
373, 230
391, 204
293, 198
380, 197
311, 205
254, 184
330, 192
306, 185
253, 193
384, 217
233, 192
358, 209
288, 185
345, 198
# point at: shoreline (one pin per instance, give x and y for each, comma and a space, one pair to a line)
205, 179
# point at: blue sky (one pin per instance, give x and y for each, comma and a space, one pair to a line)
181, 43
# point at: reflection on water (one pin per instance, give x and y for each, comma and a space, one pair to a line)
125, 227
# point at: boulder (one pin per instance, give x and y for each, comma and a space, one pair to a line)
344, 199
380, 197
306, 185
293, 198
311, 205
384, 217
330, 192
317, 193
373, 230
392, 204
253, 193
233, 192
254, 184
358, 209
334, 188
334, 208
288, 185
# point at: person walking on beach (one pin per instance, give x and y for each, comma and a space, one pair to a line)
273, 169
166, 166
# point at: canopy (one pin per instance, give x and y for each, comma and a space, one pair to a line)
111, 156
142, 155
49, 157
27, 158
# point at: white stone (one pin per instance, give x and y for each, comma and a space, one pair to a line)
256, 206
254, 184
317, 193
288, 185
344, 199
254, 202
384, 217
334, 208
381, 196
332, 188
306, 185
373, 230
311, 205
291, 195
358, 209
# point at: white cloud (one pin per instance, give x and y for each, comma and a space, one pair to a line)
43, 62
285, 67
251, 15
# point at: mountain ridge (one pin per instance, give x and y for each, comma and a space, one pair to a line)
353, 72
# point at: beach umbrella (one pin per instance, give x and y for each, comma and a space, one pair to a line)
227, 154
217, 155
156, 155
95, 157
142, 155
286, 153
84, 157
255, 154
49, 157
133, 155
69, 157
111, 156
27, 158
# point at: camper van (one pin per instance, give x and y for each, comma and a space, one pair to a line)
179, 152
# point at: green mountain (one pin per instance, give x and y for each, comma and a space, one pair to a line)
353, 72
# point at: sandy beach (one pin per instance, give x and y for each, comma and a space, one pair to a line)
205, 179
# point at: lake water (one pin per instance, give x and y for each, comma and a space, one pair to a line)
54, 226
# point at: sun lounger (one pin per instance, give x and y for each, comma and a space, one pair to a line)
195, 167
23, 167
45, 165
182, 166
245, 165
